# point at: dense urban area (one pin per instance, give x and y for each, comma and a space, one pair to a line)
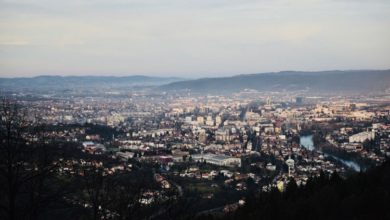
194, 110
119, 154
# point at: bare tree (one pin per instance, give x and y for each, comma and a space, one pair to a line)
115, 196
25, 165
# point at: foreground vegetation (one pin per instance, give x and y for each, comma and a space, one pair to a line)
360, 196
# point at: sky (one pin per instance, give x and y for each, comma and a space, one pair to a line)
191, 38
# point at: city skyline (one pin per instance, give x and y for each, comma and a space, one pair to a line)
194, 110
192, 38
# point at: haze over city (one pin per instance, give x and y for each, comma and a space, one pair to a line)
194, 109
191, 39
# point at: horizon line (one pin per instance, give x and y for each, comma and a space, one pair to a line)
185, 77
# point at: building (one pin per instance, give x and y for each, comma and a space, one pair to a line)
124, 156
200, 120
93, 148
210, 121
270, 167
290, 163
188, 119
298, 100
362, 136
222, 135
252, 118
217, 159
218, 120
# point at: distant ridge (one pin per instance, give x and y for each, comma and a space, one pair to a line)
350, 81
68, 82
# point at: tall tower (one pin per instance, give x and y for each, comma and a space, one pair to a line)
268, 101
290, 163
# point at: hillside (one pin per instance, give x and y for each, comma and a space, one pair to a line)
360, 196
326, 81
69, 82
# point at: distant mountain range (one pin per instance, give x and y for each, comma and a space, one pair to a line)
324, 81
356, 81
69, 82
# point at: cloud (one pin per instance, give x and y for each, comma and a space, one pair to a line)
194, 36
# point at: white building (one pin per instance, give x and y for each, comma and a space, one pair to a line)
362, 136
210, 121
217, 159
290, 163
218, 120
222, 135
200, 120
188, 119
125, 156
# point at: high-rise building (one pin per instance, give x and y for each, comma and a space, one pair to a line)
299, 100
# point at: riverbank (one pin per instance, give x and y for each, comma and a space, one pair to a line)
354, 162
363, 163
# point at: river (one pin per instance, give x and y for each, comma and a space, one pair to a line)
307, 142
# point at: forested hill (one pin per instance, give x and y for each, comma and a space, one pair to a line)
361, 196
325, 81
70, 82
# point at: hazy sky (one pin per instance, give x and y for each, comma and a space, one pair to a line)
191, 38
